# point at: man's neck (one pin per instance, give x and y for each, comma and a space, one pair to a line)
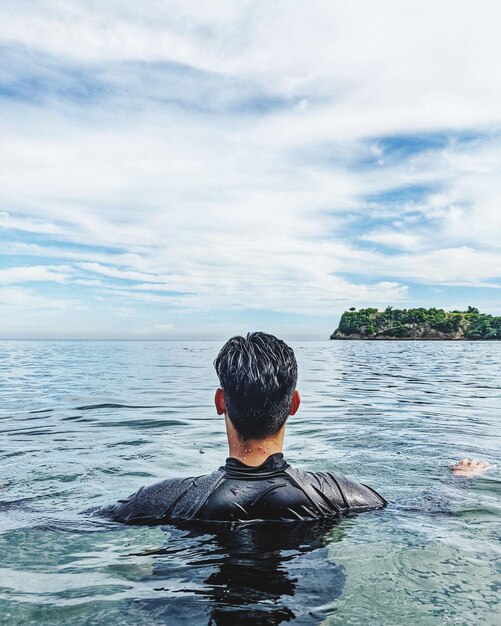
253, 452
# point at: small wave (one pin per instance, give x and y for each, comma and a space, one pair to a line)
20, 503
143, 423
111, 405
78, 418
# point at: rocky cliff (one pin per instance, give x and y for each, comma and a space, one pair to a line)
417, 323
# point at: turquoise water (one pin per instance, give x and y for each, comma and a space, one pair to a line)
85, 423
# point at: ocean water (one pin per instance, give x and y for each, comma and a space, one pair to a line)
86, 423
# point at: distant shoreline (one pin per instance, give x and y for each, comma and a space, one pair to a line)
453, 339
418, 324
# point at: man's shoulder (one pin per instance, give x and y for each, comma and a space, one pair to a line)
174, 498
346, 493
183, 498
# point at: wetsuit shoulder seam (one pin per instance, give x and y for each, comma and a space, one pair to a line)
341, 492
306, 490
215, 486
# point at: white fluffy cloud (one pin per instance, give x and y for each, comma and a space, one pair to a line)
34, 273
250, 155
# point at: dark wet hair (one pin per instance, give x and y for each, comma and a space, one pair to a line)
258, 375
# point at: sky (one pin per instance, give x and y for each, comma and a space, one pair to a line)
196, 170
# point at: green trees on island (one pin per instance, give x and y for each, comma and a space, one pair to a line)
417, 323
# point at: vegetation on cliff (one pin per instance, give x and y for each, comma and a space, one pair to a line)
417, 324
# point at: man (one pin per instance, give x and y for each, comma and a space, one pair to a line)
258, 376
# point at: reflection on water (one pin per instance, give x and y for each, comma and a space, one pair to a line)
247, 574
83, 424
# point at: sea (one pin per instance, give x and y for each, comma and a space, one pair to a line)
83, 424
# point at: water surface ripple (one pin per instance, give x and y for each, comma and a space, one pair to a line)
85, 423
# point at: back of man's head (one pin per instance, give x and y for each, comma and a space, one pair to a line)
258, 375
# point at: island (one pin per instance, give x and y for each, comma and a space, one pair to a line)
424, 324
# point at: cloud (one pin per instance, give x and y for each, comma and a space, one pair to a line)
393, 239
26, 301
249, 156
164, 326
114, 272
35, 273
453, 266
10, 222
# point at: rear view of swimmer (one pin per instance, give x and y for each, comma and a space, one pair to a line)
257, 393
258, 376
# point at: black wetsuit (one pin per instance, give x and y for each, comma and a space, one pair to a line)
237, 492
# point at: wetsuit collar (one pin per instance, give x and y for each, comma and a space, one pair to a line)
274, 464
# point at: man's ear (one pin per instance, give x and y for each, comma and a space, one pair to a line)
296, 401
219, 402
